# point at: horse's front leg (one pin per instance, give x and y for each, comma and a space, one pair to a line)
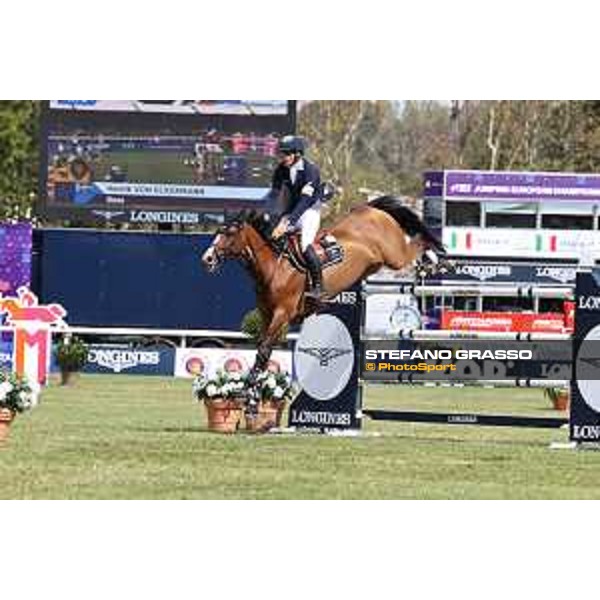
263, 354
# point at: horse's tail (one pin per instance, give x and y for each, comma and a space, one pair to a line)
408, 220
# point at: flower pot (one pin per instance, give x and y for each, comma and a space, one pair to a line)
67, 377
6, 418
224, 415
562, 400
269, 416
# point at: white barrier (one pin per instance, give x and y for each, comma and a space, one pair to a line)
450, 334
496, 383
520, 291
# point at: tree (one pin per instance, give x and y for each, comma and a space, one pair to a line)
19, 141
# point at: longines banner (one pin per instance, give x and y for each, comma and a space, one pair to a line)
506, 272
585, 387
137, 361
326, 356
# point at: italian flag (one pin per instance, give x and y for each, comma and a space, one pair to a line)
545, 243
468, 241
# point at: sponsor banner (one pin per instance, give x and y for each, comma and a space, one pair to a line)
15, 257
492, 272
467, 360
494, 185
584, 421
6, 354
190, 362
503, 321
123, 360
433, 184
513, 272
526, 243
326, 356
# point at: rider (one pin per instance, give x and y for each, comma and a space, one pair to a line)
299, 182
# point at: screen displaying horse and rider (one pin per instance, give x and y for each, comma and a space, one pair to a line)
123, 159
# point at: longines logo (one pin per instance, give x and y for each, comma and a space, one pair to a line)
108, 214
562, 274
324, 357
146, 216
484, 272
121, 360
586, 432
588, 302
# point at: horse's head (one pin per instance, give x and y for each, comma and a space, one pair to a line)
230, 242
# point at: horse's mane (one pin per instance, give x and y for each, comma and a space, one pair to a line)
262, 223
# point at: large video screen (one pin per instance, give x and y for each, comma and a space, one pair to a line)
158, 161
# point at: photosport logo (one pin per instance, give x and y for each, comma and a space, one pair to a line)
324, 357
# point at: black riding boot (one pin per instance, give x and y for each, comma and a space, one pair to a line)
314, 267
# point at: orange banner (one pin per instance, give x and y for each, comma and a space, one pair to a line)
505, 321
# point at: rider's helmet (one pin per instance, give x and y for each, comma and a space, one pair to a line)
292, 144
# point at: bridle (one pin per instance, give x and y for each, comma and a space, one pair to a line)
248, 255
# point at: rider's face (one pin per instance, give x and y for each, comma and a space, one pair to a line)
287, 160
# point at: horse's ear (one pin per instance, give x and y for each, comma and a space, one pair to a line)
235, 219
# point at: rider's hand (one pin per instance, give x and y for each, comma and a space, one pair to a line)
280, 229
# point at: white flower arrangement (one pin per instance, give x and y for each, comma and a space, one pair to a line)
224, 385
271, 386
16, 393
275, 386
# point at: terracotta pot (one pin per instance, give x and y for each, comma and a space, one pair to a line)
269, 416
6, 418
67, 377
224, 415
562, 400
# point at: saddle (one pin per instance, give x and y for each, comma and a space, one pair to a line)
328, 249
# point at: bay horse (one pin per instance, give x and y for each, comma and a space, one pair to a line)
382, 232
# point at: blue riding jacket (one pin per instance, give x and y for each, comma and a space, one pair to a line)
303, 193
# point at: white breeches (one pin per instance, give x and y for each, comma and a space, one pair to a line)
309, 224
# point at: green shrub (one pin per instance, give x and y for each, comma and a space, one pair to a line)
71, 354
252, 326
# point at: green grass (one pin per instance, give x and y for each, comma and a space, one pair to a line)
143, 437
153, 166
156, 166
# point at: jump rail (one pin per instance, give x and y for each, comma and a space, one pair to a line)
469, 290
